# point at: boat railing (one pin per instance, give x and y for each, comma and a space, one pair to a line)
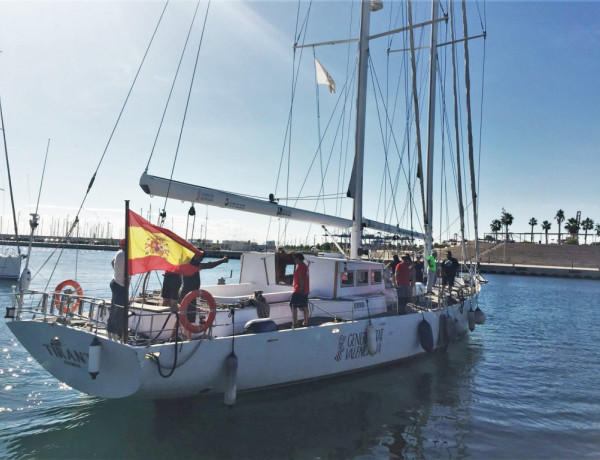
53, 306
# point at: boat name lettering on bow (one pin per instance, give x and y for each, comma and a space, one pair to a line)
70, 357
355, 345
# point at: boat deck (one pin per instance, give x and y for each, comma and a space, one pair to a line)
161, 323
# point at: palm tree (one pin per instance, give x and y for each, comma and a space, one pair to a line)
533, 223
495, 227
572, 226
546, 226
507, 220
587, 224
597, 229
560, 216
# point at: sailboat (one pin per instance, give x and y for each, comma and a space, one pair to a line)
10, 264
244, 338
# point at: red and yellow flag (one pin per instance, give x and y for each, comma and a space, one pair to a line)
156, 248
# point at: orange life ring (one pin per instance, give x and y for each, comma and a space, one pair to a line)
212, 312
75, 285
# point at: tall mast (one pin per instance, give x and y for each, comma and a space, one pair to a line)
361, 105
417, 111
12, 199
431, 128
470, 131
461, 208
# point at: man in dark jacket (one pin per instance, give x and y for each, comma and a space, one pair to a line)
450, 268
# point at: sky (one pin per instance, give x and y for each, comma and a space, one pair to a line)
66, 69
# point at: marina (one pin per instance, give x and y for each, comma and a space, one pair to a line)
271, 240
489, 397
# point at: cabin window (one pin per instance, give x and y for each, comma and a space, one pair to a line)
362, 277
376, 276
347, 279
284, 268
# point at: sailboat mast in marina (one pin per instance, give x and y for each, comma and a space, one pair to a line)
241, 336
10, 264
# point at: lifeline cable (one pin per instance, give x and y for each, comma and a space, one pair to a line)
187, 104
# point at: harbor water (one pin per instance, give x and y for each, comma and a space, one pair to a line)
526, 384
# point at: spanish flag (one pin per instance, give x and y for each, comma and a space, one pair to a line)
156, 248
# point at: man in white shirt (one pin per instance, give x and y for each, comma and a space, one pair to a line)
116, 319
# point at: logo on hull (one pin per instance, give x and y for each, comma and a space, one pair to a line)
355, 345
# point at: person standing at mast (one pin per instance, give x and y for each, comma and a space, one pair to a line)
301, 290
431, 271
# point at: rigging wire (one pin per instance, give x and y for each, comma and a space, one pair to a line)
329, 122
288, 129
91, 183
185, 112
12, 199
119, 117
173, 84
395, 183
342, 166
319, 126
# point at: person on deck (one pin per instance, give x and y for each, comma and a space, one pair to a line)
402, 279
192, 283
392, 265
418, 268
450, 267
301, 290
431, 271
170, 289
116, 317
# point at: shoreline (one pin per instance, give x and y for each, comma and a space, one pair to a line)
539, 270
520, 269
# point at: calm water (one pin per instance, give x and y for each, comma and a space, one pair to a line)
524, 385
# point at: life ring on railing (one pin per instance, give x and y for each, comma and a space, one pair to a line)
75, 285
212, 312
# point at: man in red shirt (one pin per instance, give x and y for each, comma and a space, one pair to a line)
402, 278
301, 290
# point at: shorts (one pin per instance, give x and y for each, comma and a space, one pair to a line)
403, 291
299, 300
171, 285
448, 280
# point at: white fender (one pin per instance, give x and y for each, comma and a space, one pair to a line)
94, 358
371, 339
231, 365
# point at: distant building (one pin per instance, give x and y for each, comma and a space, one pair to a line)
230, 245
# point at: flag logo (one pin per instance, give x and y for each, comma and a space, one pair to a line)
157, 246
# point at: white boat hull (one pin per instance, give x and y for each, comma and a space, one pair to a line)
10, 266
265, 359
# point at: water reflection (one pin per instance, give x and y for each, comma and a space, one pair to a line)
420, 408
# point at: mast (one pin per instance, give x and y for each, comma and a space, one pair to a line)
431, 128
470, 132
361, 105
12, 199
461, 208
416, 105
126, 250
